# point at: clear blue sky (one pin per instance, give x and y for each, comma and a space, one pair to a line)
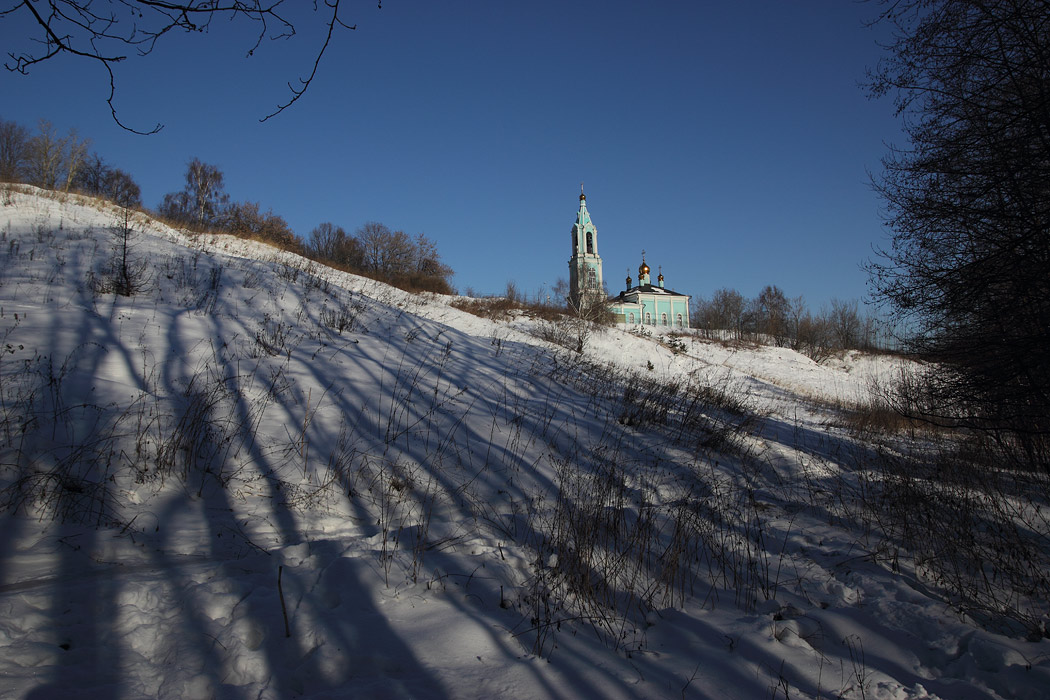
730, 140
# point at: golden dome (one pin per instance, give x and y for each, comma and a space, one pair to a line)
582, 196
643, 269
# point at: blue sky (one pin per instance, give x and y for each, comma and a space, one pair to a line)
731, 141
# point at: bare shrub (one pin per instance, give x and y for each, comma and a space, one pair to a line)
609, 547
342, 318
495, 308
556, 332
877, 416
950, 505
56, 458
978, 532
273, 337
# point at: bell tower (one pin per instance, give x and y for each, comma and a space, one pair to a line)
585, 265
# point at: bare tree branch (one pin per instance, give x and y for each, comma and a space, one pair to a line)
101, 31
304, 84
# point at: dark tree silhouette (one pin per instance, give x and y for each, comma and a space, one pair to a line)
968, 268
108, 31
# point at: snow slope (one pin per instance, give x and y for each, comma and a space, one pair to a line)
264, 478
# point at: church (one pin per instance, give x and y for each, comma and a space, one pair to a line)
644, 304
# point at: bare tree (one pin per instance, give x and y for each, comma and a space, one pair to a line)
14, 150
98, 178
727, 310
330, 242
845, 323
207, 191
107, 32
202, 201
428, 260
699, 313
588, 313
91, 177
796, 311
350, 254
325, 240
76, 154
386, 253
51, 160
429, 272
400, 255
374, 238
772, 309
47, 152
378, 252
120, 188
968, 202
176, 207
813, 338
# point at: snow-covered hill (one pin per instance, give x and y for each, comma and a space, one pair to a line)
259, 477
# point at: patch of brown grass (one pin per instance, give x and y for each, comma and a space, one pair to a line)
504, 308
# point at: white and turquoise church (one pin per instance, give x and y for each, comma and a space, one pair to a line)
644, 304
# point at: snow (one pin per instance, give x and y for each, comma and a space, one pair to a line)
186, 468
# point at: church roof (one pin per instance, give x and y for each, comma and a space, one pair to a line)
651, 289
583, 217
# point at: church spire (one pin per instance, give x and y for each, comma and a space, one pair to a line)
583, 222
585, 266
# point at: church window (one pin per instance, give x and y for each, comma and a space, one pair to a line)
680, 324
575, 244
590, 243
592, 278
630, 318
663, 319
648, 319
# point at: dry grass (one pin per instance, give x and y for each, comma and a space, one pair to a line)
879, 417
505, 308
